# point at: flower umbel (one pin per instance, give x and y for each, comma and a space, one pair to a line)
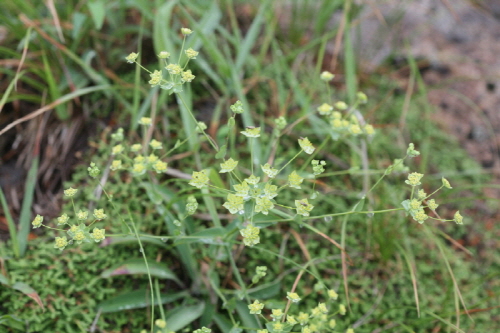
199, 180
251, 132
228, 166
303, 207
414, 179
132, 57
294, 297
37, 222
234, 203
98, 234
61, 243
256, 307
306, 145
250, 235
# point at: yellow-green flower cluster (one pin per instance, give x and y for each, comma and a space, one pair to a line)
414, 179
340, 115
191, 205
306, 145
326, 76
98, 234
269, 171
37, 221
251, 132
260, 272
234, 203
199, 179
415, 205
228, 166
294, 180
294, 297
303, 207
250, 235
138, 164
70, 192
256, 307
177, 72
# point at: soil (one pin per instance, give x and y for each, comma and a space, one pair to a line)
460, 41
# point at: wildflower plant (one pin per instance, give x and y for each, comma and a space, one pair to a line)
256, 194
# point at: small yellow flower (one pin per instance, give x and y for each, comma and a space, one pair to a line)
99, 214
256, 307
70, 192
138, 169
186, 31
369, 130
341, 105
414, 179
325, 109
146, 121
37, 222
326, 76
61, 243
294, 297
98, 234
191, 54
174, 69
332, 294
82, 215
117, 150
458, 218
160, 166
63, 219
116, 165
155, 144
187, 76
136, 147
306, 145
160, 323
361, 96
251, 132
164, 55
342, 309
132, 57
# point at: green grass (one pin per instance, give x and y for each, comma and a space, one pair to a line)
395, 275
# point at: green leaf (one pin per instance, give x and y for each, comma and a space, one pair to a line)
247, 319
13, 322
182, 316
222, 152
28, 291
137, 299
138, 266
208, 236
223, 322
24, 219
359, 205
215, 178
266, 291
4, 280
131, 240
97, 11
78, 22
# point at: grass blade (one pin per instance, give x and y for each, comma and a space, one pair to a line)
24, 218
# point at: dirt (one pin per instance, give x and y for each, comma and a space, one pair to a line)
461, 42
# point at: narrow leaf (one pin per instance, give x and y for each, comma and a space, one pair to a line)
28, 291
138, 266
183, 316
137, 299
